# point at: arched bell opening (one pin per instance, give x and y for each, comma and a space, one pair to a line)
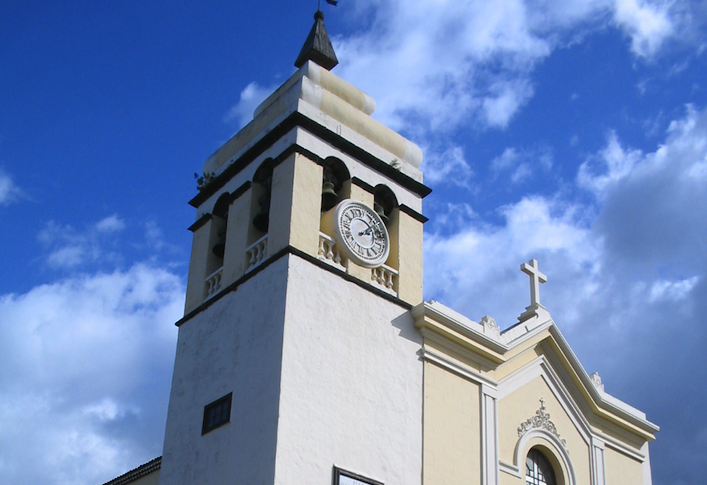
384, 203
217, 235
386, 206
220, 217
336, 186
334, 176
262, 192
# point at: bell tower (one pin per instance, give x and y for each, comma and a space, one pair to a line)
297, 357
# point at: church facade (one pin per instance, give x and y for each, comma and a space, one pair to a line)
307, 354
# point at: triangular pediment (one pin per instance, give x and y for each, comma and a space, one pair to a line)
531, 353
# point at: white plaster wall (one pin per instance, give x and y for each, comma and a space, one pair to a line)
233, 346
351, 388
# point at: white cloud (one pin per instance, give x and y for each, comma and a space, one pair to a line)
85, 377
438, 63
110, 224
521, 173
455, 216
9, 192
481, 259
627, 274
70, 256
638, 234
505, 160
449, 167
522, 164
69, 247
508, 97
446, 64
106, 410
655, 204
672, 290
648, 24
614, 164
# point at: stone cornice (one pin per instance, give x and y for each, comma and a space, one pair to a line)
200, 222
428, 316
294, 120
602, 403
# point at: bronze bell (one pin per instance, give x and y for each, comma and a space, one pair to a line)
262, 218
381, 212
329, 197
220, 246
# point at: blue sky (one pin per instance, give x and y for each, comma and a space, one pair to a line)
573, 132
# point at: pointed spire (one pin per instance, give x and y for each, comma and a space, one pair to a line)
317, 47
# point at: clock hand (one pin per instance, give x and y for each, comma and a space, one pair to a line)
367, 232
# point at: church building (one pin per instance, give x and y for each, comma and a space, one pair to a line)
306, 354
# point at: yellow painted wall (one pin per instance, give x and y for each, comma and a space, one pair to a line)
520, 359
295, 205
516, 408
621, 469
239, 225
506, 479
451, 429
197, 267
409, 264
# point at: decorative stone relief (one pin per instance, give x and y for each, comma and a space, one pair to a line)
541, 420
490, 327
596, 380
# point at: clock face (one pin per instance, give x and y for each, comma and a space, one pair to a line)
362, 233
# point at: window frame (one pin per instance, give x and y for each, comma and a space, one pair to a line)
541, 463
205, 426
340, 472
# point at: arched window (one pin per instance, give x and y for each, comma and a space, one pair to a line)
538, 470
385, 202
220, 214
334, 175
263, 181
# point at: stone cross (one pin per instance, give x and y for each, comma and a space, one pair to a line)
536, 278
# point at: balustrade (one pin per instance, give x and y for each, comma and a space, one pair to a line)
256, 252
213, 282
386, 278
327, 251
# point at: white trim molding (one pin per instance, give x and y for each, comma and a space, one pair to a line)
540, 367
443, 361
552, 443
489, 433
598, 462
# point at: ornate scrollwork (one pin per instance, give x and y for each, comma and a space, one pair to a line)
541, 420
